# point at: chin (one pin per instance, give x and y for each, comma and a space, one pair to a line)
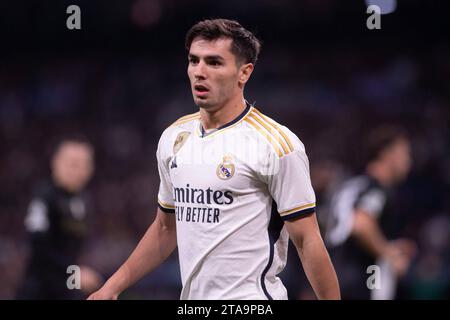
202, 104
400, 178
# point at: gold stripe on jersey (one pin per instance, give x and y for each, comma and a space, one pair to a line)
303, 207
165, 205
186, 118
189, 116
286, 138
271, 130
266, 135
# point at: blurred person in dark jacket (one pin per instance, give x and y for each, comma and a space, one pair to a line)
57, 225
357, 222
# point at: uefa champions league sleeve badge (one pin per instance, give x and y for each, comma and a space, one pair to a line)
180, 141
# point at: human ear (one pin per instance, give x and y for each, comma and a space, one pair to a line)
245, 72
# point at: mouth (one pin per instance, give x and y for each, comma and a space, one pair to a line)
200, 90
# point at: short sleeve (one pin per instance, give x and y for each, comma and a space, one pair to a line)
165, 192
37, 219
290, 184
372, 202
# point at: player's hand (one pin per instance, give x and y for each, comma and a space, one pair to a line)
91, 280
406, 246
104, 293
399, 254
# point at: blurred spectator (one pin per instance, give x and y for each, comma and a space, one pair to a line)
57, 224
429, 278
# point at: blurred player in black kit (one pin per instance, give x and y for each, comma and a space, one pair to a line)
57, 225
357, 231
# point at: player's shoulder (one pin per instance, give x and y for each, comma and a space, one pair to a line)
44, 190
361, 184
185, 120
184, 126
185, 123
280, 137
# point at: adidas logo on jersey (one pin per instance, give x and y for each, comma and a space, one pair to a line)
174, 163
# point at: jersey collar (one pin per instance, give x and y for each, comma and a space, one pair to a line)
204, 134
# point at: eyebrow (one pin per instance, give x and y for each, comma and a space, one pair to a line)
211, 57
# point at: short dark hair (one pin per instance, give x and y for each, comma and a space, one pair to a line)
245, 47
381, 138
70, 138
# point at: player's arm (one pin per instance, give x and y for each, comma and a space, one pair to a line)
39, 224
367, 232
290, 186
305, 235
155, 246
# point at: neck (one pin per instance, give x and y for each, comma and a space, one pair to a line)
378, 171
213, 118
67, 188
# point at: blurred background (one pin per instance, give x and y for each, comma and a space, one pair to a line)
121, 80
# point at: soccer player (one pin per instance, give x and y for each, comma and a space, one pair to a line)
57, 224
234, 186
356, 232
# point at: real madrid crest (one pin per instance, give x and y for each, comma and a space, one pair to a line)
226, 169
180, 140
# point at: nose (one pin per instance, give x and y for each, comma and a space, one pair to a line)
199, 71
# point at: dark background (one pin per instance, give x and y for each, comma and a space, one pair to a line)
121, 80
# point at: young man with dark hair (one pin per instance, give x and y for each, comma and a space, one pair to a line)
355, 233
234, 187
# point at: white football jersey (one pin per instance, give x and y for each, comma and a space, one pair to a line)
230, 190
